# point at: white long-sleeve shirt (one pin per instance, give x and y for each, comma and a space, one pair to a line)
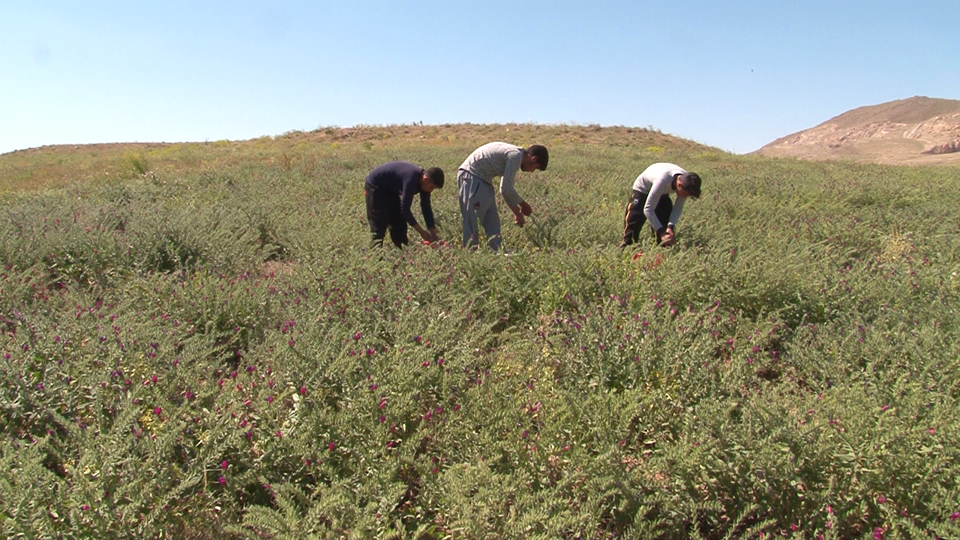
657, 181
497, 159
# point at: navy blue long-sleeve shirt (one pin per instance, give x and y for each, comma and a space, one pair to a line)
403, 179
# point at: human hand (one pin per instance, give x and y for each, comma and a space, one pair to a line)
518, 219
429, 236
668, 239
525, 208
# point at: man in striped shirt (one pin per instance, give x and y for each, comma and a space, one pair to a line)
478, 202
651, 202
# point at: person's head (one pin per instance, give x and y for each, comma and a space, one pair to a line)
688, 185
535, 158
432, 179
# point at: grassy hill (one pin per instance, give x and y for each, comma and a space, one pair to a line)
198, 343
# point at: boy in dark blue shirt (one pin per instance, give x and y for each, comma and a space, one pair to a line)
389, 191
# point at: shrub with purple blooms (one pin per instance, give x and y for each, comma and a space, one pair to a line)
209, 349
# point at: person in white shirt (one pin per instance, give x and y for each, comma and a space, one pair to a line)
475, 188
651, 202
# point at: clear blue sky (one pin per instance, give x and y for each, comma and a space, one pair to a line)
731, 74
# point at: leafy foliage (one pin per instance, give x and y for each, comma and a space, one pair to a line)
198, 353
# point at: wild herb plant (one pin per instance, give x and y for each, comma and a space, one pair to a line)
196, 351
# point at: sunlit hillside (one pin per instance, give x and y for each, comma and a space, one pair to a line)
198, 342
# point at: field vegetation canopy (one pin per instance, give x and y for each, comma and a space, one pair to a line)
198, 343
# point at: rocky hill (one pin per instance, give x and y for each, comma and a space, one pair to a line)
914, 131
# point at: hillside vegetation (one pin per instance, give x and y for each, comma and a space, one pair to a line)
197, 343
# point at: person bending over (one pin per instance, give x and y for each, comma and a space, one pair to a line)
478, 203
651, 202
389, 191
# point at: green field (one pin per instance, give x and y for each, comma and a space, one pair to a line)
198, 343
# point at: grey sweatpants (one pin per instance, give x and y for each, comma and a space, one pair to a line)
478, 203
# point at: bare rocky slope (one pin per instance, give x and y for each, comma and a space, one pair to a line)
914, 131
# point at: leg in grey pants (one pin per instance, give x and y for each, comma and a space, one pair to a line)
478, 203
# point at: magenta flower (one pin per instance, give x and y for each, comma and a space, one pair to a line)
332, 446
223, 481
225, 465
878, 533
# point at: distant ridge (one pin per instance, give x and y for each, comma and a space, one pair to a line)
914, 131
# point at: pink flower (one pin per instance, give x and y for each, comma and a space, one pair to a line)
223, 481
158, 411
878, 533
332, 446
225, 465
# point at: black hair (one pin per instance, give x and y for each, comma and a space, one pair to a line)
539, 152
435, 175
691, 183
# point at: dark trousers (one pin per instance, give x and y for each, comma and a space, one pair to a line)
634, 218
383, 212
